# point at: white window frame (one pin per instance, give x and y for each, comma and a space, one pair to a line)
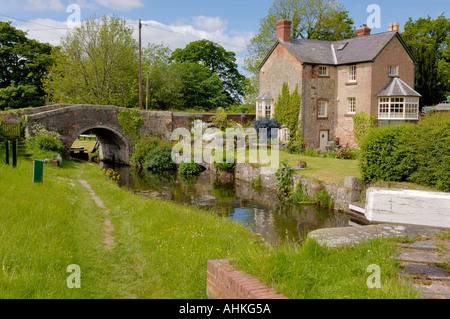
352, 73
398, 108
322, 109
268, 107
393, 70
351, 105
324, 70
259, 109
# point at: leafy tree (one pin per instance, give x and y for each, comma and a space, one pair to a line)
287, 109
429, 41
219, 61
97, 64
186, 85
202, 90
23, 64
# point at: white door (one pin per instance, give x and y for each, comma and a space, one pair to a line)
324, 136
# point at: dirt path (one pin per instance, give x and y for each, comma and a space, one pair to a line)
108, 227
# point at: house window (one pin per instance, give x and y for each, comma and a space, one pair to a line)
412, 108
323, 70
351, 105
322, 109
398, 108
268, 111
393, 70
352, 73
260, 109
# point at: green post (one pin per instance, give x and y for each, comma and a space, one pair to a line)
38, 171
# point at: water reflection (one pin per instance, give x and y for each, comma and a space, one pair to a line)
256, 208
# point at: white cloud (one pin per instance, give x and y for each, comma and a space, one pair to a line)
211, 24
174, 36
45, 5
213, 29
45, 30
121, 5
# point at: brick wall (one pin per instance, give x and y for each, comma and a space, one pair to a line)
224, 282
183, 119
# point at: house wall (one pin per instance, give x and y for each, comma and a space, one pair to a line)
361, 91
317, 89
280, 67
393, 54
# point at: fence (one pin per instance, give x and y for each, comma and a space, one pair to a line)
10, 130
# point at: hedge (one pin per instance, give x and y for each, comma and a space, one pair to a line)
419, 153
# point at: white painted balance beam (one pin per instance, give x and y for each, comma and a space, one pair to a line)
409, 207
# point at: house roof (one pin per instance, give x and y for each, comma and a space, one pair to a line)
349, 51
396, 87
265, 96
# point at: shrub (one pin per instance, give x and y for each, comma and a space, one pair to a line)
430, 146
220, 120
284, 181
344, 153
267, 123
160, 159
189, 168
144, 145
363, 123
386, 154
287, 109
45, 143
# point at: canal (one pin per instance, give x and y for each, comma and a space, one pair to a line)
255, 207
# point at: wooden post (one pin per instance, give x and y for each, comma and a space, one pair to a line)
7, 152
146, 98
140, 65
14, 149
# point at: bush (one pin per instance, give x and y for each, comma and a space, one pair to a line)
430, 147
363, 123
143, 147
160, 159
344, 153
220, 120
267, 123
386, 154
189, 168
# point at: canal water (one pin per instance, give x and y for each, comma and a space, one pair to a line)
254, 207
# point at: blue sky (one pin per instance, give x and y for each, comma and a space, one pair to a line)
231, 23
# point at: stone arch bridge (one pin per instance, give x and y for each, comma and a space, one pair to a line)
72, 120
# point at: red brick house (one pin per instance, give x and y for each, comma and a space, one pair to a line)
370, 73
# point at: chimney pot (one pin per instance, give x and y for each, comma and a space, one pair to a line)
284, 30
363, 31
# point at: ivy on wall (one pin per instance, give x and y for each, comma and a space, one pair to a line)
131, 123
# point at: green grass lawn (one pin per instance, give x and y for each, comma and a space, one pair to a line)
161, 248
329, 170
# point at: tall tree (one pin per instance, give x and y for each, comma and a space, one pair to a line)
219, 61
429, 41
311, 19
23, 64
97, 64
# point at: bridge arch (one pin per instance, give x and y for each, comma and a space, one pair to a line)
114, 146
71, 120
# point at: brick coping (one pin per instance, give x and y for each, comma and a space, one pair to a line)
225, 282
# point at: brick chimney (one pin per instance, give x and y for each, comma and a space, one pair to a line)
363, 31
284, 30
394, 27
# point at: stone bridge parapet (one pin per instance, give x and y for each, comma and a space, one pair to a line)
72, 120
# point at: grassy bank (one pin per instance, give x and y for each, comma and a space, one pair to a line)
316, 272
161, 248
